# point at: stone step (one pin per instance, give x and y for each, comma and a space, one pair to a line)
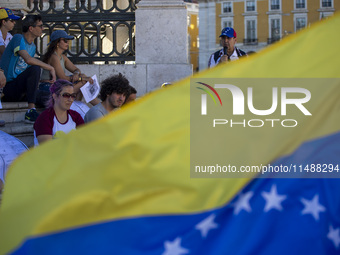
19, 127
20, 130
27, 139
14, 105
13, 112
15, 115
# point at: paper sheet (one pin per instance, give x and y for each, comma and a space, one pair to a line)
90, 91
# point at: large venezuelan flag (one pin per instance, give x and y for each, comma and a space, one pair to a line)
122, 185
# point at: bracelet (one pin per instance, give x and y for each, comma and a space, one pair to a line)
76, 72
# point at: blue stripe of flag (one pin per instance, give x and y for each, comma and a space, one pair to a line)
269, 216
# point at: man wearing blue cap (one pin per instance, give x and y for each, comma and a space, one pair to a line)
22, 69
229, 52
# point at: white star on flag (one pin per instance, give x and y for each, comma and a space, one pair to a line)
334, 236
174, 248
242, 202
313, 207
273, 200
206, 225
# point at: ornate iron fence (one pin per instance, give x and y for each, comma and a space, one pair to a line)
103, 29
273, 39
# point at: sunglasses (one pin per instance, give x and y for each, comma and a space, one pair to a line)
65, 40
68, 95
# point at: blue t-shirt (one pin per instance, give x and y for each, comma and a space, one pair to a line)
11, 62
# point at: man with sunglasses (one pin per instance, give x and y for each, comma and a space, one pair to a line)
21, 69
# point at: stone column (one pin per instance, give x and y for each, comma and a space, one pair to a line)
207, 31
162, 41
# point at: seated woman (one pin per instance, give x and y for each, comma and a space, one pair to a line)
55, 56
58, 119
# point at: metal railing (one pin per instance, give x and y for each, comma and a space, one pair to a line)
273, 39
275, 7
250, 41
300, 5
103, 31
326, 3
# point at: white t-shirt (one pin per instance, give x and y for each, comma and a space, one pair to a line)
5, 41
48, 124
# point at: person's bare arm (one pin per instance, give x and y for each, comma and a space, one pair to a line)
2, 49
73, 69
36, 62
76, 72
2, 79
44, 138
60, 72
69, 65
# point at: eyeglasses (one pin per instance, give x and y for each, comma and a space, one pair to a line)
68, 95
65, 40
11, 20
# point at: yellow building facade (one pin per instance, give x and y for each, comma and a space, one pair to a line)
257, 23
193, 40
